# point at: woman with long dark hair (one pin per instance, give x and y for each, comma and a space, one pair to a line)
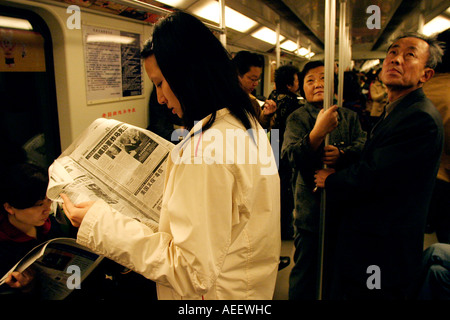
219, 230
198, 69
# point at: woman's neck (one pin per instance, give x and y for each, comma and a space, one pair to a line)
29, 230
318, 105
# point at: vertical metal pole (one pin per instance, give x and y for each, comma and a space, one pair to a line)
223, 28
342, 50
309, 50
348, 45
278, 48
421, 21
330, 23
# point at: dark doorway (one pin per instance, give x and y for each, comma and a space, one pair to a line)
28, 110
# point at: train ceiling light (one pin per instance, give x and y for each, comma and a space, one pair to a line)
267, 35
234, 20
15, 23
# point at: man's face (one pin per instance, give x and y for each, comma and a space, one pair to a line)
250, 80
404, 66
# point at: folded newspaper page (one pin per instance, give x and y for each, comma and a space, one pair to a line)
122, 164
54, 263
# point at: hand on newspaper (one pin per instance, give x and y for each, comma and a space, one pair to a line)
75, 212
20, 280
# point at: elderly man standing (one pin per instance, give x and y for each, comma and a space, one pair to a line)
383, 199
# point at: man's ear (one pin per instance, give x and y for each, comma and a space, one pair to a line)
428, 73
9, 208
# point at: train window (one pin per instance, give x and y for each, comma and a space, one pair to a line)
28, 110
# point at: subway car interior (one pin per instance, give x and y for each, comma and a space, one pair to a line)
54, 83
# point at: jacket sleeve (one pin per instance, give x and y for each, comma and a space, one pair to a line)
201, 217
391, 160
296, 147
266, 121
352, 152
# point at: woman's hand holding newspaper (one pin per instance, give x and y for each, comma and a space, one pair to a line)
75, 212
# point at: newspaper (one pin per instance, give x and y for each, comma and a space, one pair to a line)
53, 263
122, 164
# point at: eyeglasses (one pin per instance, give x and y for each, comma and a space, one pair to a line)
252, 79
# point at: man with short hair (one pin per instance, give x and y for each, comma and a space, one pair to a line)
249, 66
383, 199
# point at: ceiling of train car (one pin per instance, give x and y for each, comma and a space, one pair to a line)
396, 16
300, 20
303, 20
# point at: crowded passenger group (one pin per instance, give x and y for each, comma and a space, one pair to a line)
378, 158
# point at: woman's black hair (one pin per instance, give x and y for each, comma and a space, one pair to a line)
22, 185
352, 88
284, 76
198, 69
244, 60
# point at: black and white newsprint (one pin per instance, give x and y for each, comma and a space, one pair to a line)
122, 164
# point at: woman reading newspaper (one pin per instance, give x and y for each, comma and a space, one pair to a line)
219, 229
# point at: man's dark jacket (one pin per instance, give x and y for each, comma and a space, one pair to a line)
383, 201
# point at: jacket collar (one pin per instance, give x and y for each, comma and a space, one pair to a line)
312, 109
408, 100
404, 103
197, 129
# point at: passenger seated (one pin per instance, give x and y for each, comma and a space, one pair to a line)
25, 219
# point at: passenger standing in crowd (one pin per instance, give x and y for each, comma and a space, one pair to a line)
437, 90
436, 273
353, 98
378, 96
219, 226
249, 68
25, 219
285, 96
384, 198
287, 100
303, 148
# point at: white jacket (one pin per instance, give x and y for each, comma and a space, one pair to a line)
219, 230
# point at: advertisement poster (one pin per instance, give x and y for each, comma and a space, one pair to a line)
113, 64
21, 51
